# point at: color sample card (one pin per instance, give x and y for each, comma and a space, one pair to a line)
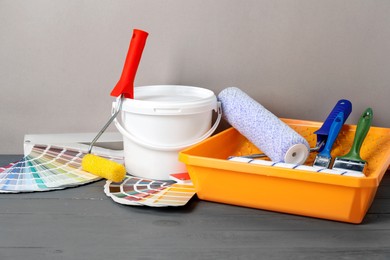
46, 168
137, 191
182, 178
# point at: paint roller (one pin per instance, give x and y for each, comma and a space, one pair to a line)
265, 130
125, 89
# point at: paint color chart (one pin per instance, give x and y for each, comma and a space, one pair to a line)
46, 168
50, 167
145, 192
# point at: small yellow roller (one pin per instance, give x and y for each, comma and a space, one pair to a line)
102, 167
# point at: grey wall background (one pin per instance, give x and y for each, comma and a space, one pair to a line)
59, 60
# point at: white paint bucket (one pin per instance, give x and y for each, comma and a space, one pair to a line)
160, 121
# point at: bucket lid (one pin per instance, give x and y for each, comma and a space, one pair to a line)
170, 100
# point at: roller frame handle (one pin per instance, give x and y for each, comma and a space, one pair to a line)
125, 84
361, 132
343, 105
333, 133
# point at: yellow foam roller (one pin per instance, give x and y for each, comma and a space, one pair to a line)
102, 167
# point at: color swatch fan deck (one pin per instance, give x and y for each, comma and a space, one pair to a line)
46, 168
49, 167
137, 191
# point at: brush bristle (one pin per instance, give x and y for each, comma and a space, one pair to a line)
102, 167
322, 161
349, 165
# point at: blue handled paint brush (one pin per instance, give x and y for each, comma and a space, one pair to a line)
343, 105
323, 158
352, 160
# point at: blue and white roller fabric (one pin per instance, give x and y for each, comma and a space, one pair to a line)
265, 130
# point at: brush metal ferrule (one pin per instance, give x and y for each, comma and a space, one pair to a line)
322, 161
350, 165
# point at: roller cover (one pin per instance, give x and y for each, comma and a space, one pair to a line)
265, 130
102, 167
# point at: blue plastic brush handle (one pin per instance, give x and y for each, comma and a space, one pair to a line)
333, 133
343, 105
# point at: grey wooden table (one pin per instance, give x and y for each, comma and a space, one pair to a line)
82, 223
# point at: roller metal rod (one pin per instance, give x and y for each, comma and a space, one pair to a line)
119, 107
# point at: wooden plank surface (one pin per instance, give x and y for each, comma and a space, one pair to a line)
82, 223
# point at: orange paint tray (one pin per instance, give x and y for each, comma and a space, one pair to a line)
314, 194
